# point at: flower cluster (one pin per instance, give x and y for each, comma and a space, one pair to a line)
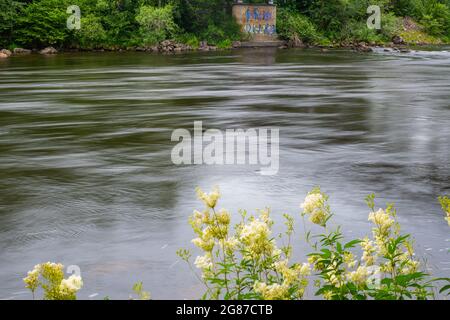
445, 203
245, 263
50, 277
316, 207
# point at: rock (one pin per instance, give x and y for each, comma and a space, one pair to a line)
324, 50
398, 40
21, 51
3, 55
362, 47
6, 51
48, 50
139, 49
236, 44
296, 42
404, 50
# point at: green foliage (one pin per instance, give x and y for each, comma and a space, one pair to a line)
113, 24
292, 25
43, 23
188, 39
138, 289
156, 24
9, 11
92, 34
49, 277
248, 264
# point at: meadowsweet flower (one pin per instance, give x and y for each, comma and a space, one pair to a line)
73, 284
382, 220
328, 295
230, 244
335, 280
210, 200
315, 206
32, 279
445, 203
312, 202
349, 259
204, 262
305, 269
256, 237
205, 245
359, 276
271, 292
368, 252
223, 217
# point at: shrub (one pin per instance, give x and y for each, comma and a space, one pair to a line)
9, 12
189, 39
50, 278
292, 25
245, 262
156, 24
445, 203
92, 34
43, 23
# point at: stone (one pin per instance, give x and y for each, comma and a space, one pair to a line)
3, 55
296, 42
21, 51
236, 44
6, 51
48, 50
398, 40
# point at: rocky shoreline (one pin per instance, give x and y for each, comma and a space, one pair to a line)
172, 47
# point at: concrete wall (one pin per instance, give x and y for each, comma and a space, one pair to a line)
257, 20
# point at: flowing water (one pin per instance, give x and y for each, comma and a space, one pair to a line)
86, 176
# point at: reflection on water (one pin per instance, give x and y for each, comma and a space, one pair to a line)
86, 176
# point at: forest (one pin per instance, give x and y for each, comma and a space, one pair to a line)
116, 24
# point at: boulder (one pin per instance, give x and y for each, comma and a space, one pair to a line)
21, 51
6, 51
3, 55
398, 40
236, 44
48, 50
296, 42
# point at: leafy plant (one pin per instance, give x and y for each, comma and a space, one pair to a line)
50, 278
156, 24
246, 262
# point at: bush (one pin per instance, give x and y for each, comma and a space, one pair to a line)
436, 19
9, 11
156, 24
245, 262
189, 39
49, 277
43, 23
92, 34
292, 25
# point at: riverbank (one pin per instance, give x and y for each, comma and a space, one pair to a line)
173, 47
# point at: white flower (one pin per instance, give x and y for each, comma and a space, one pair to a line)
203, 262
312, 202
73, 283
382, 219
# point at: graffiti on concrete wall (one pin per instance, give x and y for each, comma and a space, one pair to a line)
257, 20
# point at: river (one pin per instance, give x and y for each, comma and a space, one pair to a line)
86, 176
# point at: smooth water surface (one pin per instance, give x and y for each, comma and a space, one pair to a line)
86, 176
